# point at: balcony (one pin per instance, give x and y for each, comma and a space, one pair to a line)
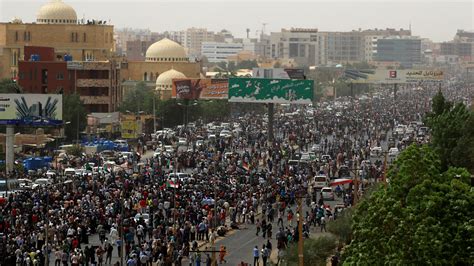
93, 83
95, 99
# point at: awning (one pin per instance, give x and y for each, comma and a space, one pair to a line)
340, 181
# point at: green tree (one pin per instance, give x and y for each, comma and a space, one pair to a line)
315, 252
9, 86
247, 64
138, 99
74, 115
423, 217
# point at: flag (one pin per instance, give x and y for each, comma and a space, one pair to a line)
245, 165
171, 184
88, 167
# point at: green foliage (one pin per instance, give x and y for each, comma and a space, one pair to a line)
247, 64
139, 99
360, 66
74, 114
316, 251
451, 129
9, 86
75, 150
424, 217
342, 226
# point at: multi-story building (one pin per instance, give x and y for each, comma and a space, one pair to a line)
56, 25
406, 50
462, 46
97, 82
136, 50
216, 52
298, 44
193, 39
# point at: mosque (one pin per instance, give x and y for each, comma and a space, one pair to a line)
165, 60
58, 26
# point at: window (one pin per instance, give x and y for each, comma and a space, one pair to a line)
72, 36
16, 36
84, 37
24, 36
60, 76
77, 38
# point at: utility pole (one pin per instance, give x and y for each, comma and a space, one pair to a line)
385, 170
300, 232
356, 183
154, 113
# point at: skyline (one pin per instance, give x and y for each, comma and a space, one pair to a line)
437, 20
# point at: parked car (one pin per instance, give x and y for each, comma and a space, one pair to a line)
393, 152
327, 193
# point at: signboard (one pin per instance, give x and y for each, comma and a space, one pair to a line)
129, 129
31, 109
254, 90
194, 89
295, 73
75, 65
271, 73
383, 76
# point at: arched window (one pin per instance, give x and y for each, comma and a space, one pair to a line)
151, 76
145, 76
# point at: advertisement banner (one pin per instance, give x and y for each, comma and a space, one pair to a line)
129, 129
387, 76
31, 109
194, 89
255, 90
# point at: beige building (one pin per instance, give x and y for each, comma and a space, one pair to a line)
56, 26
164, 57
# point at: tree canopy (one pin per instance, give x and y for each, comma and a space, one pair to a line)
424, 216
9, 86
452, 131
74, 114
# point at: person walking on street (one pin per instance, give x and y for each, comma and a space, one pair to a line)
222, 253
323, 224
264, 255
258, 227
256, 256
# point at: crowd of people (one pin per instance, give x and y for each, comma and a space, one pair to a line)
151, 216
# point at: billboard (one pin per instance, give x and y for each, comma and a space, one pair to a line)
129, 129
255, 90
387, 76
278, 73
194, 89
31, 109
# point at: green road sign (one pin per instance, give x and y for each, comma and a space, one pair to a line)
258, 90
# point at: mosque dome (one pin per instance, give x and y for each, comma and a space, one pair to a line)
166, 50
56, 12
165, 80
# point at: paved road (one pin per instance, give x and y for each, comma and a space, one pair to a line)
240, 243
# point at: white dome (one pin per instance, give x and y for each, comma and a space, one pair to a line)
56, 12
165, 80
166, 50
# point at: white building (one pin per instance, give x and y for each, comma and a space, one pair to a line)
216, 52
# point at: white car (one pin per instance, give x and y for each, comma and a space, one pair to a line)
316, 148
145, 216
182, 142
225, 134
169, 148
375, 151
400, 129
327, 193
393, 152
41, 182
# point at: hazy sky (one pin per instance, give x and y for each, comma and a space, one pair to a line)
435, 19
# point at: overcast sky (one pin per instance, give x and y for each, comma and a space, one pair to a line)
435, 19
